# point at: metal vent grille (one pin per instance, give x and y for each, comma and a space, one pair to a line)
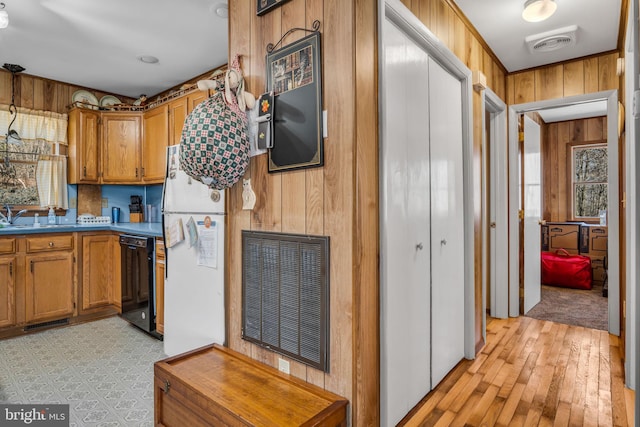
46, 324
553, 43
285, 295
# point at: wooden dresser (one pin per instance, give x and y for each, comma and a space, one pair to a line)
216, 386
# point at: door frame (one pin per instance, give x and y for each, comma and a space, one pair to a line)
496, 207
611, 96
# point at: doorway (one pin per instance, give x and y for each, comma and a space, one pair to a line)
613, 274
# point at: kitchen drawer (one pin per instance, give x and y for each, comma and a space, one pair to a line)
58, 242
215, 386
7, 245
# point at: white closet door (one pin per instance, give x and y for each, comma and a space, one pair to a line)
404, 262
532, 214
447, 222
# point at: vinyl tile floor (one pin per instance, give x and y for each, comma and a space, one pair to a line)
102, 369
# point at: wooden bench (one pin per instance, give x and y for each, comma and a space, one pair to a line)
216, 386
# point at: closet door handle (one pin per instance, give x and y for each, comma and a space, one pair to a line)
443, 242
419, 246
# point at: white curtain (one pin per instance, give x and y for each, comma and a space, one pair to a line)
51, 176
35, 125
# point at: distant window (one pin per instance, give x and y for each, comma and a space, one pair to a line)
589, 180
18, 185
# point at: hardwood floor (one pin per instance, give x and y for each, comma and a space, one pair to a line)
532, 373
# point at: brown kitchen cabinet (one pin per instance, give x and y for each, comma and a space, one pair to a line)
83, 149
178, 111
116, 147
8, 274
215, 386
194, 98
156, 137
121, 138
98, 281
50, 277
160, 270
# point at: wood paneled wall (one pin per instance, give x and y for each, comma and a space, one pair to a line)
340, 199
589, 75
43, 94
556, 140
318, 201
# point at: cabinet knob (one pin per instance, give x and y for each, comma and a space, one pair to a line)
84, 171
166, 386
50, 244
136, 172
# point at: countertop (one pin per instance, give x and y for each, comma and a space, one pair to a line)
151, 229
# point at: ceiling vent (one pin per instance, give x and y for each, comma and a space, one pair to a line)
552, 40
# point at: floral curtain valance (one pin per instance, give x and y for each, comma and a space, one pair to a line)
35, 125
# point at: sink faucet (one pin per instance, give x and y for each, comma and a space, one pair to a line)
9, 217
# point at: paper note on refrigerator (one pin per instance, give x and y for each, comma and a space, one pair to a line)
208, 243
174, 233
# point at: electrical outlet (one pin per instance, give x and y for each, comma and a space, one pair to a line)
283, 365
73, 203
105, 202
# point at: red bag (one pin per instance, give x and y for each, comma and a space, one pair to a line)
563, 269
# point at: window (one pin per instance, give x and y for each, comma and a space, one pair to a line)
589, 185
18, 173
32, 171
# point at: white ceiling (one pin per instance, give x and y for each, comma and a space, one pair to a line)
95, 43
501, 25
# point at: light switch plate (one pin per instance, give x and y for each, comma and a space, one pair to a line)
73, 203
105, 202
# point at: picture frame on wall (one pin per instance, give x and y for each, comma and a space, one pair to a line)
294, 75
265, 6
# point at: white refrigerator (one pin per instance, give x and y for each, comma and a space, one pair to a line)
194, 230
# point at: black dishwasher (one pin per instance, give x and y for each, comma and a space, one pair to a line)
138, 295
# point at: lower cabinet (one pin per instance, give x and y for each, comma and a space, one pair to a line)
160, 269
99, 271
49, 287
53, 276
8, 267
50, 277
8, 275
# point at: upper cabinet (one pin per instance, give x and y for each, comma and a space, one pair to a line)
83, 146
121, 135
156, 135
115, 147
196, 98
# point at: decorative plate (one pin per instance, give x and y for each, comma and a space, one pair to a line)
84, 97
109, 101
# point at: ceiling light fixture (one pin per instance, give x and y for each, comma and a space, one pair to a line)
538, 10
4, 17
222, 10
148, 59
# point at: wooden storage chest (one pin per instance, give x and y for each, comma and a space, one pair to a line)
216, 386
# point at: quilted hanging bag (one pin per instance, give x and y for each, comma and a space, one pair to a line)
214, 147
